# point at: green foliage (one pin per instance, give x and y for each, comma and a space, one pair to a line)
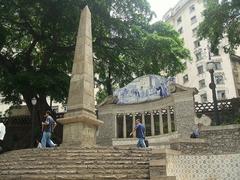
101, 95
237, 120
163, 51
36, 48
221, 19
37, 40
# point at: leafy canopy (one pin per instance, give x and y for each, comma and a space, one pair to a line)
221, 19
37, 40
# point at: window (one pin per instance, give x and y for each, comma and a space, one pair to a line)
192, 8
200, 69
185, 78
193, 20
218, 66
197, 44
194, 32
179, 20
180, 30
204, 98
221, 95
199, 56
202, 84
219, 79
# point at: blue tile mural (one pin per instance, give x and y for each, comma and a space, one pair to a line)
145, 88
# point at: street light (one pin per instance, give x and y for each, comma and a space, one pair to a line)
212, 85
34, 102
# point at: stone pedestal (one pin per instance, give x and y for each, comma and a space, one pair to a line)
80, 130
184, 112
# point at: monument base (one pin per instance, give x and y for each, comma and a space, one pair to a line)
79, 130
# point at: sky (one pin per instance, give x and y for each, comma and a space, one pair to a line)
160, 7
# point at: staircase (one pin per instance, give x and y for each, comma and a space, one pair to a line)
72, 163
158, 164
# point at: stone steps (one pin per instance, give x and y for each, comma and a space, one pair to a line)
76, 163
158, 164
71, 177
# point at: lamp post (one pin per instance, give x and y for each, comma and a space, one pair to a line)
34, 102
212, 85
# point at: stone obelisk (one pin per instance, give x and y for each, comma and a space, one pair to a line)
80, 123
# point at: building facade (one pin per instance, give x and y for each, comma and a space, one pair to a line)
185, 17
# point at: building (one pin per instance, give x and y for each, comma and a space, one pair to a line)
185, 17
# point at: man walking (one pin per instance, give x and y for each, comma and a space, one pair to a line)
47, 127
139, 129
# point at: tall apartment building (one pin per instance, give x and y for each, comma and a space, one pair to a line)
185, 18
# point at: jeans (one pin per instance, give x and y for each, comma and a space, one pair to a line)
141, 143
46, 140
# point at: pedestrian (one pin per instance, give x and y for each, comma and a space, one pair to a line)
139, 129
47, 127
197, 131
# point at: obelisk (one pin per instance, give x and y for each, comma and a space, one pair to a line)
80, 123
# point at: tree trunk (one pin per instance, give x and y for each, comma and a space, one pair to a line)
109, 87
40, 109
37, 112
109, 83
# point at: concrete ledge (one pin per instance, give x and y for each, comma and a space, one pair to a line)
215, 128
189, 140
163, 178
160, 162
158, 139
80, 118
165, 151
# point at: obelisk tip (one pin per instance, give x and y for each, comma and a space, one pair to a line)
86, 8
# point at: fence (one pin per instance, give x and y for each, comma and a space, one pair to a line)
229, 110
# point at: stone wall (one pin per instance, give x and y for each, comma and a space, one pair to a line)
107, 131
204, 167
217, 140
155, 142
183, 108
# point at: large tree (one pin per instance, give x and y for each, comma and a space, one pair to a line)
221, 19
37, 40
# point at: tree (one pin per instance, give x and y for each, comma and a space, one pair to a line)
38, 39
118, 32
36, 49
221, 19
153, 49
163, 51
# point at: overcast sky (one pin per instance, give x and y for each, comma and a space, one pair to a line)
160, 7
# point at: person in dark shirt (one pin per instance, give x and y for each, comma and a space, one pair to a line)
139, 129
196, 132
47, 127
